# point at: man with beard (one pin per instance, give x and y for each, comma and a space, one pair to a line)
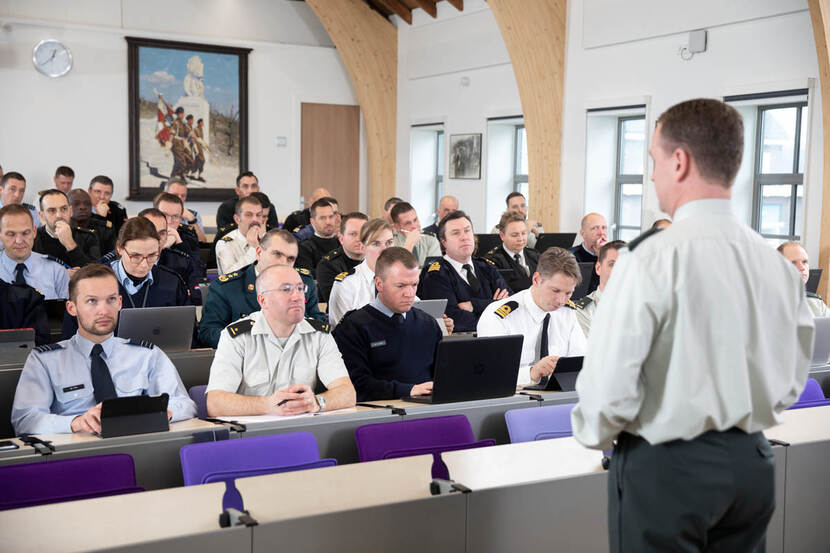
76, 246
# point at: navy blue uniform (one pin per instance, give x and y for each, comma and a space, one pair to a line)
178, 261
117, 215
22, 306
385, 359
312, 251
332, 264
439, 280
296, 220
584, 256
516, 278
88, 248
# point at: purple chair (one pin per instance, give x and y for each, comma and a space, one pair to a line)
543, 423
407, 438
812, 391
229, 459
197, 394
805, 404
66, 480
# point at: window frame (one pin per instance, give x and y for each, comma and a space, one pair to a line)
519, 178
621, 179
439, 173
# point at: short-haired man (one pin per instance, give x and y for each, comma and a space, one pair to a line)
20, 265
513, 258
80, 209
178, 232
308, 231
22, 307
408, 233
232, 296
343, 258
62, 385
388, 347
795, 253
515, 201
324, 221
685, 366
586, 307
271, 361
387, 208
543, 314
594, 232
64, 178
237, 249
301, 218
104, 208
178, 187
73, 246
468, 284
446, 205
12, 190
246, 183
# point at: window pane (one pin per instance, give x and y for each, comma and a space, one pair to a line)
775, 209
799, 211
440, 170
778, 140
802, 140
524, 188
632, 146
521, 149
628, 234
631, 203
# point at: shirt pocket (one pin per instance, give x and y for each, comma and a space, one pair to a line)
132, 385
71, 397
256, 379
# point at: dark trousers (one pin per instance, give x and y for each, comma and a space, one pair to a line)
715, 493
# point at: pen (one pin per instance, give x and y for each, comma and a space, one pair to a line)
283, 402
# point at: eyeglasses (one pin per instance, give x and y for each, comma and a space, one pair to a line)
137, 258
288, 288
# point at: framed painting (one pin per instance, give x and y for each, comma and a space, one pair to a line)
465, 156
188, 110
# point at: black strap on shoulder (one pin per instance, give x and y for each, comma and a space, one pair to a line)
640, 239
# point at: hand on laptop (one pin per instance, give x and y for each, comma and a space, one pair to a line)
544, 367
89, 421
423, 389
449, 324
294, 400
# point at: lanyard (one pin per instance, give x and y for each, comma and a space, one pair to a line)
146, 293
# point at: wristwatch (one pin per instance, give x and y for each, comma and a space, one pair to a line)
321, 401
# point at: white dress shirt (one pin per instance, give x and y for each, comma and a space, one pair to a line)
352, 292
703, 327
233, 252
459, 267
565, 337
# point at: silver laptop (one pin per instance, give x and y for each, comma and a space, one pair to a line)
170, 328
435, 309
821, 343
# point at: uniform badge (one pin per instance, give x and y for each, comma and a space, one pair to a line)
436, 266
341, 276
303, 271
506, 309
222, 278
251, 287
570, 304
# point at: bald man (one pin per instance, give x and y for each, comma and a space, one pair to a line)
301, 218
447, 205
594, 233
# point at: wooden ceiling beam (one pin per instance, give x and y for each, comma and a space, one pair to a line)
428, 7
396, 7
820, 16
458, 4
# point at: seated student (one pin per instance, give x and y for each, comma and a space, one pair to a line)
233, 296
516, 202
73, 246
177, 231
324, 221
267, 206
22, 306
103, 206
512, 255
468, 284
447, 205
594, 232
246, 183
299, 219
64, 178
347, 256
587, 306
387, 208
388, 347
355, 288
237, 249
80, 206
19, 264
797, 255
543, 314
62, 385
408, 233
308, 231
178, 187
274, 355
12, 190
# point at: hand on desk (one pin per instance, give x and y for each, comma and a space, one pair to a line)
296, 400
89, 421
544, 367
423, 389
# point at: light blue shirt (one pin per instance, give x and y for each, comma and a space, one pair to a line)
49, 277
33, 210
126, 281
380, 306
56, 383
198, 219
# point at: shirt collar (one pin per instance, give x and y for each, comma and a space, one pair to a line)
512, 253
85, 346
536, 312
456, 265
125, 280
587, 250
708, 206
48, 232
11, 264
261, 326
366, 273
380, 306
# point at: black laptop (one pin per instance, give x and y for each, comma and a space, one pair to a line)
563, 378
547, 240
467, 369
812, 282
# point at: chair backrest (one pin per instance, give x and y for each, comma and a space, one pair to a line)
197, 394
439, 468
539, 423
815, 403
812, 391
223, 475
376, 440
268, 453
66, 480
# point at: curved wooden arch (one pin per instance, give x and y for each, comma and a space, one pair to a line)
820, 15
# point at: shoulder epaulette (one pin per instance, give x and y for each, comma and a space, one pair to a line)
178, 252
229, 276
583, 303
28, 206
303, 271
637, 241
333, 254
434, 266
227, 238
344, 274
56, 260
492, 250
48, 347
109, 257
490, 261
319, 326
506, 309
813, 295
115, 204
87, 230
187, 227
240, 327
141, 343
570, 304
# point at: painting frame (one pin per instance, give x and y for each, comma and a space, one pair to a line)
465, 156
212, 194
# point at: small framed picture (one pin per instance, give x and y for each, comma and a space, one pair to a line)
465, 156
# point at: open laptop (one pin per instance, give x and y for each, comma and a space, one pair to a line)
821, 342
170, 328
547, 240
467, 369
435, 309
563, 378
812, 282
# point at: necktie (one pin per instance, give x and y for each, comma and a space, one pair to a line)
543, 346
518, 261
398, 318
102, 385
18, 274
475, 285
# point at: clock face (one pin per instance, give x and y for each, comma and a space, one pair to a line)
52, 58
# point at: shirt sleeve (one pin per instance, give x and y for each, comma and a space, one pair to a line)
330, 365
164, 379
312, 309
31, 410
62, 284
223, 257
805, 334
338, 303
577, 345
226, 369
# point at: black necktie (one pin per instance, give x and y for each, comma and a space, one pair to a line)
102, 384
519, 262
475, 285
18, 274
543, 346
398, 318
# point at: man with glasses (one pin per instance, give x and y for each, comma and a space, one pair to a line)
271, 361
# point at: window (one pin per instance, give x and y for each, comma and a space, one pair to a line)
439, 168
426, 169
520, 163
628, 182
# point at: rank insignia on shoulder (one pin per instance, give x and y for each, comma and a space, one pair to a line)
303, 271
344, 274
141, 343
435, 266
318, 325
240, 327
570, 304
490, 261
228, 276
583, 303
492, 250
82, 229
506, 309
813, 295
48, 347
227, 239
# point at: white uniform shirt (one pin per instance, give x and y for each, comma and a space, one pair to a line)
233, 252
585, 313
353, 292
254, 364
427, 246
703, 327
817, 307
565, 338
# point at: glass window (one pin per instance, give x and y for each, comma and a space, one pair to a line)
439, 168
632, 148
520, 181
631, 143
778, 140
802, 141
775, 209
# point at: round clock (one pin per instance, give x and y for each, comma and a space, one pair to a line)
52, 58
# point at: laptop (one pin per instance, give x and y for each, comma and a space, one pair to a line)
563, 378
467, 369
821, 342
581, 290
562, 240
170, 328
812, 282
435, 309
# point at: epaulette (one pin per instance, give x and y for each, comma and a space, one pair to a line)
303, 271
229, 276
583, 303
636, 242
141, 343
178, 252
490, 261
570, 304
506, 309
318, 325
813, 295
82, 229
344, 274
113, 203
109, 257
109, 224
493, 250
333, 254
188, 227
240, 327
48, 347
227, 239
27, 206
434, 266
56, 260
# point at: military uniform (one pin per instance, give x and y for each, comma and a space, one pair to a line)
250, 360
585, 309
432, 230
332, 264
441, 280
519, 314
584, 256
199, 158
817, 306
56, 383
234, 252
182, 155
233, 296
520, 274
224, 215
190, 239
297, 220
312, 251
116, 215
88, 248
33, 210
22, 306
43, 272
352, 289
177, 261
426, 247
105, 231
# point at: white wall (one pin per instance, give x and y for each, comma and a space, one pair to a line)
501, 143
81, 119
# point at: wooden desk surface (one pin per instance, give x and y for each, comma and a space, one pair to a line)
802, 426
176, 429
